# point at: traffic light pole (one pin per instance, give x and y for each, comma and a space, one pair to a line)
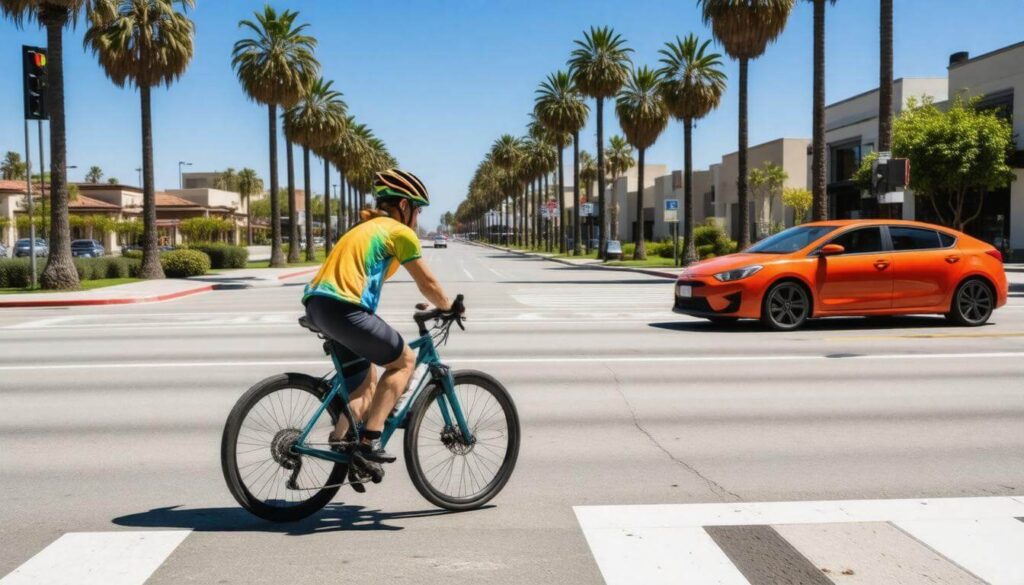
42, 179
31, 220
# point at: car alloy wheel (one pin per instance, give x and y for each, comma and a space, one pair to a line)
973, 304
786, 307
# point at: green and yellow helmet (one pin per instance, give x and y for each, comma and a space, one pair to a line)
402, 184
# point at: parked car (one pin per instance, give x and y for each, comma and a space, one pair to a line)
853, 267
23, 248
3, 251
613, 250
440, 242
87, 249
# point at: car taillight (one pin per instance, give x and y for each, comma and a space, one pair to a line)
995, 254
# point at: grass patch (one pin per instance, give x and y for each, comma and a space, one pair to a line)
86, 285
320, 257
650, 262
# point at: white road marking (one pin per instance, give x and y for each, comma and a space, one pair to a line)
544, 360
465, 270
668, 543
98, 558
991, 548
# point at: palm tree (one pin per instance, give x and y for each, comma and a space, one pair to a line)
317, 121
618, 159
13, 168
144, 43
885, 77
509, 154
544, 160
818, 182
560, 108
600, 65
643, 116
275, 67
94, 175
744, 28
692, 82
54, 15
228, 180
248, 183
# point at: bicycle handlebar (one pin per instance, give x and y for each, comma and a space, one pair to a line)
452, 315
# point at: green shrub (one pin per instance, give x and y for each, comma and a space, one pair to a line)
224, 255
85, 268
136, 254
16, 272
185, 263
628, 249
711, 239
114, 267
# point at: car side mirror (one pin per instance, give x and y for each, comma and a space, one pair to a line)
832, 249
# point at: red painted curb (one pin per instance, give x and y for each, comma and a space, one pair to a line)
121, 301
299, 273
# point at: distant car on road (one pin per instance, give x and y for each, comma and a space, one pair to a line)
87, 249
853, 267
440, 242
23, 248
3, 251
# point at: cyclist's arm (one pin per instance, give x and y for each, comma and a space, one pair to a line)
428, 285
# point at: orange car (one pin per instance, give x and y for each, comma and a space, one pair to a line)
854, 267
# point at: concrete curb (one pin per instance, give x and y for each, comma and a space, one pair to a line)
112, 301
647, 271
298, 273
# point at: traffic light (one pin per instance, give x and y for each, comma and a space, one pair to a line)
34, 74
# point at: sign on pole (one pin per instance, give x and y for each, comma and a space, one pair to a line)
587, 210
671, 210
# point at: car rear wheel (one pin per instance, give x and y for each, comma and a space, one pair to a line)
786, 307
972, 304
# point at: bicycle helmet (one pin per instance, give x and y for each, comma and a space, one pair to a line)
394, 183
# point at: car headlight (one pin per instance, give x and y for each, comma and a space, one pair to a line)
731, 275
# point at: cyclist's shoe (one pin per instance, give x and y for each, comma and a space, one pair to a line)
365, 470
357, 477
374, 451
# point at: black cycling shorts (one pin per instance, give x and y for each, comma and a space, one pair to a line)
356, 333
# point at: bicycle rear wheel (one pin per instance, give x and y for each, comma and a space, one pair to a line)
448, 471
256, 455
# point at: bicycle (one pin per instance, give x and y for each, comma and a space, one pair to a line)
460, 446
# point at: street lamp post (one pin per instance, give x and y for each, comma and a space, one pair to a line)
139, 170
182, 163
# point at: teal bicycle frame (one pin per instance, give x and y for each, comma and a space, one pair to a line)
447, 401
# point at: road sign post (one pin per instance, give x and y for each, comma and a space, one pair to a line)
672, 216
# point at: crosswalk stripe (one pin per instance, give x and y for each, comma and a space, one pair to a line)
991, 548
98, 558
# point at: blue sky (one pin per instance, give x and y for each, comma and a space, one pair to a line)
439, 80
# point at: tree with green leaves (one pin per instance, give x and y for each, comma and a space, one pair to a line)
275, 67
800, 200
227, 181
559, 107
766, 184
144, 43
600, 65
509, 154
54, 15
692, 82
744, 28
618, 160
248, 184
317, 121
643, 116
13, 168
113, 181
94, 175
818, 180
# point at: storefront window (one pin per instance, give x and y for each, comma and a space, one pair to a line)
843, 161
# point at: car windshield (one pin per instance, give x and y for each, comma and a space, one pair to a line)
81, 244
791, 240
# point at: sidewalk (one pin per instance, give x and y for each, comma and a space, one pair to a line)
663, 272
152, 291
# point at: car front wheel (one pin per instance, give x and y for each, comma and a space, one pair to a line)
786, 307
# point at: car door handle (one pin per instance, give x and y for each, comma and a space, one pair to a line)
881, 264
952, 259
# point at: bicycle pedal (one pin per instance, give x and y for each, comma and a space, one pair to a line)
368, 469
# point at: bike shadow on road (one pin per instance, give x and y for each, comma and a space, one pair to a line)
826, 324
332, 518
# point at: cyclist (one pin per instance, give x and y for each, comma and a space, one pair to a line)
342, 299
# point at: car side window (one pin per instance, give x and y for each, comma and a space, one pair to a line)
860, 241
946, 240
908, 238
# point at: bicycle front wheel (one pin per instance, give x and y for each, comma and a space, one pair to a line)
447, 470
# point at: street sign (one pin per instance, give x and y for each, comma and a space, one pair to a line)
587, 210
671, 210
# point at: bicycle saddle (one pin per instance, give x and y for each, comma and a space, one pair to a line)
305, 323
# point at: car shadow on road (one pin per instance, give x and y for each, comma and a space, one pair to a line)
332, 518
828, 324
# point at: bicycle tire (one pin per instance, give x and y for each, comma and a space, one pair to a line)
229, 441
423, 404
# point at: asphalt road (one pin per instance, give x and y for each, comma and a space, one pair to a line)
110, 423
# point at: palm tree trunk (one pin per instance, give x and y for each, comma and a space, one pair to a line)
561, 201
639, 248
60, 271
328, 236
151, 268
293, 216
885, 78
535, 217
602, 229
276, 256
690, 255
310, 252
248, 219
820, 204
514, 201
343, 206
577, 244
741, 178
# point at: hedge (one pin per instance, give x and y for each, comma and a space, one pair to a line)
184, 263
224, 255
15, 272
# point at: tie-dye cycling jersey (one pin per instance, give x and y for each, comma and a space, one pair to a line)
362, 260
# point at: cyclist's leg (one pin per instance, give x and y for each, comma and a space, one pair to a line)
359, 400
392, 383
